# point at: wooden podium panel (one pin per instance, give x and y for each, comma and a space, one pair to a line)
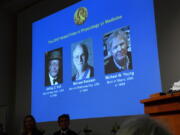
165, 108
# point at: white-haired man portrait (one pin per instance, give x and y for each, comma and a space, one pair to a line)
120, 57
80, 60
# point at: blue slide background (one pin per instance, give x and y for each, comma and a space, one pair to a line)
103, 100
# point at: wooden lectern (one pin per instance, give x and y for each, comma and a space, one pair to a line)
166, 108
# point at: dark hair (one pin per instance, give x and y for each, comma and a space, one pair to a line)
54, 55
24, 126
1, 127
85, 49
64, 116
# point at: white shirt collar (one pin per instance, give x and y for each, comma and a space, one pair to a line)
52, 79
86, 74
126, 66
64, 131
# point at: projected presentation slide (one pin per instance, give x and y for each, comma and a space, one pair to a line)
96, 58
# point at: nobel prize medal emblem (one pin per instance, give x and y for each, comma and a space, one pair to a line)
80, 15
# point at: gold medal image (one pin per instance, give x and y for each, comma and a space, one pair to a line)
80, 15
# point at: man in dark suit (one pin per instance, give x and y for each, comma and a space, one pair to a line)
80, 60
54, 68
64, 122
120, 59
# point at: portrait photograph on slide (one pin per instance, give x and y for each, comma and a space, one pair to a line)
117, 51
54, 68
82, 60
